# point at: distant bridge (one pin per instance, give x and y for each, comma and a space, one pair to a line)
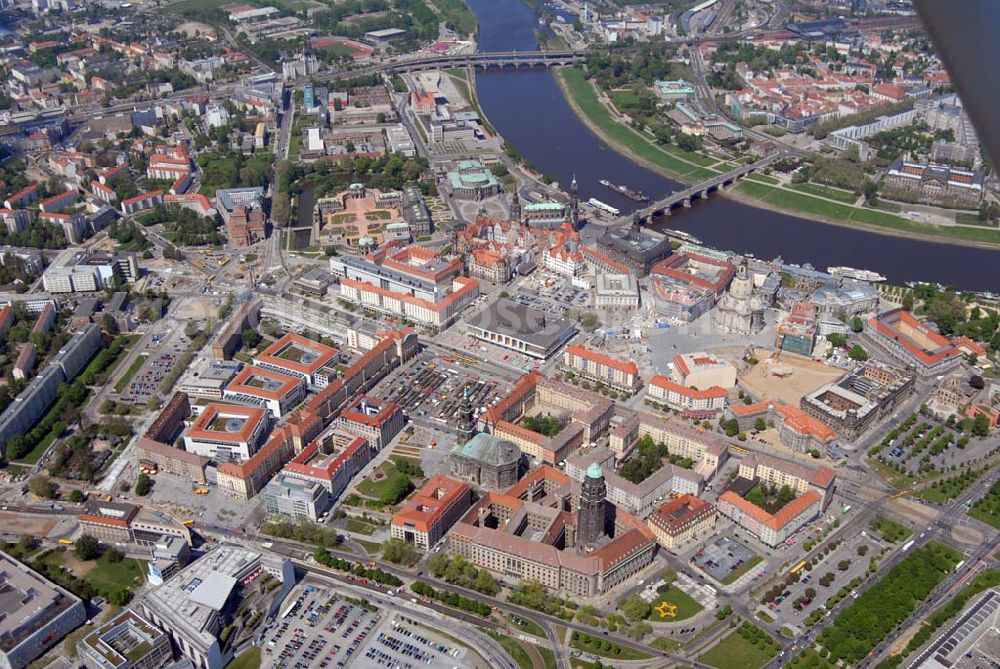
495, 59
698, 191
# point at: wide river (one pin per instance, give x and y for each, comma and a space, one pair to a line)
529, 110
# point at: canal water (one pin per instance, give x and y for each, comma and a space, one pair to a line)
529, 110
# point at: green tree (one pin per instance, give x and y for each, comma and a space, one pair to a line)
870, 190
251, 338
858, 353
857, 325
760, 425
397, 487
589, 321
837, 339
438, 563
756, 496
109, 324
76, 496
143, 485
281, 209
87, 548
981, 426
485, 583
120, 597
39, 485
634, 608
398, 551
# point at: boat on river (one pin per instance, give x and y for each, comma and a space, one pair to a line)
624, 190
859, 274
604, 206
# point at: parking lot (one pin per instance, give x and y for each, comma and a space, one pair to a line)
801, 598
430, 391
930, 442
317, 629
159, 354
551, 292
406, 645
721, 558
320, 629
456, 338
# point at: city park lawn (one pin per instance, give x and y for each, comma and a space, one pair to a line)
604, 647
548, 657
675, 162
840, 195
359, 526
890, 530
802, 203
948, 488
988, 508
389, 489
896, 479
370, 546
514, 649
763, 178
248, 659
686, 605
106, 576
749, 647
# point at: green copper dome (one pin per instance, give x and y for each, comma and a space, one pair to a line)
594, 471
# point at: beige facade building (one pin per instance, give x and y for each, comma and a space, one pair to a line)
595, 366
776, 473
703, 370
586, 414
681, 520
530, 533
431, 512
708, 450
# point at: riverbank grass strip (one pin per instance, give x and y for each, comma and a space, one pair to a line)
801, 203
671, 160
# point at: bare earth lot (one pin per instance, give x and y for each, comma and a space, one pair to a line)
798, 377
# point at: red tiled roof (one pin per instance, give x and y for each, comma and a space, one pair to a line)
741, 410
56, 198
673, 267
103, 520
628, 367
252, 417
802, 423
777, 521
241, 383
143, 196
886, 326
964, 342
429, 504
890, 91
694, 393
301, 466
24, 192
677, 512
324, 354
97, 185
386, 411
